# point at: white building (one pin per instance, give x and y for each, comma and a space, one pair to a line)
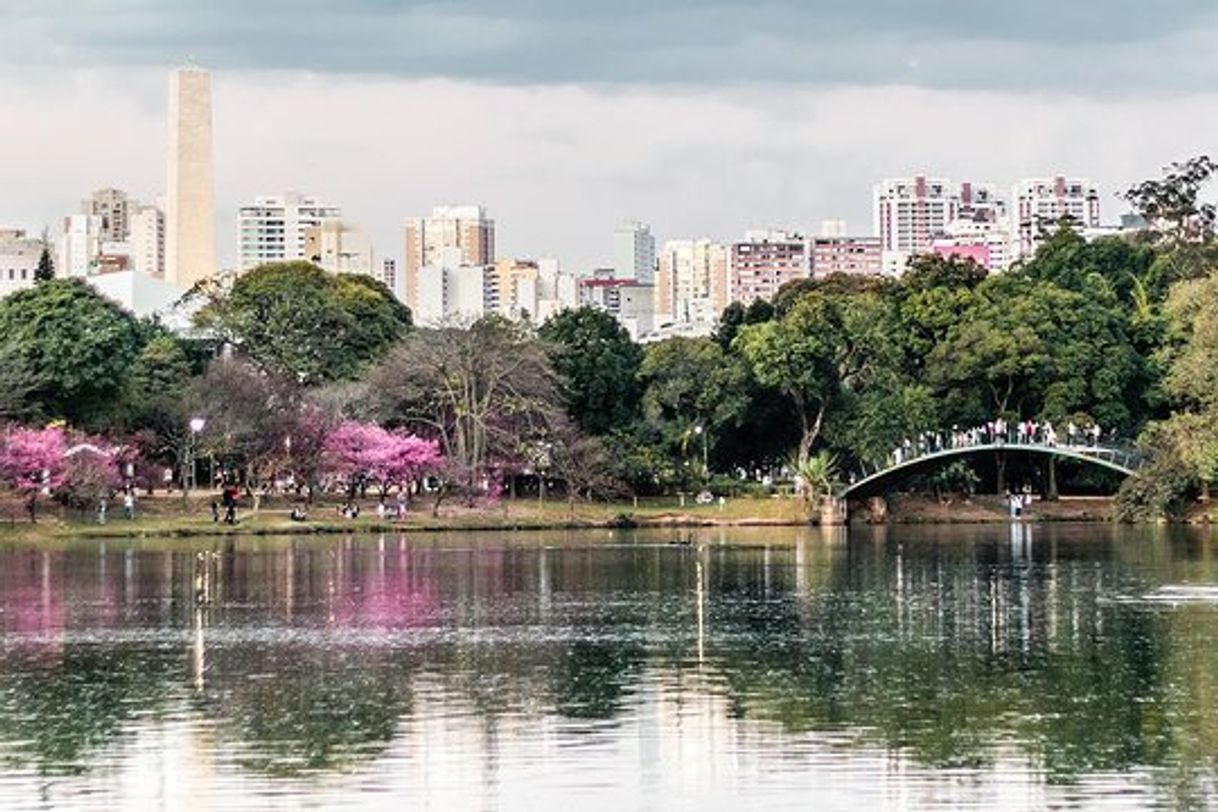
19, 257
79, 245
629, 301
339, 247
990, 245
147, 240
190, 200
691, 285
634, 252
452, 236
910, 213
146, 297
1043, 204
273, 229
452, 294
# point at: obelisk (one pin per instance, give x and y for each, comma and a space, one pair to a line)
190, 217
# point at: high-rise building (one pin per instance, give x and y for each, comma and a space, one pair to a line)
389, 275
338, 247
452, 293
452, 236
908, 213
839, 254
634, 252
114, 209
989, 244
190, 227
146, 239
19, 257
629, 301
80, 245
274, 228
765, 261
1043, 204
691, 282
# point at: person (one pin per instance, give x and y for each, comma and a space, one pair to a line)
230, 505
101, 510
401, 503
381, 510
215, 511
299, 514
1071, 432
129, 504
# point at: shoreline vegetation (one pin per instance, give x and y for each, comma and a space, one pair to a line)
295, 380
167, 517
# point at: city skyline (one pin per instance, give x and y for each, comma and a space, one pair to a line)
561, 155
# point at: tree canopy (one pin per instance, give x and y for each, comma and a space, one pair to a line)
297, 320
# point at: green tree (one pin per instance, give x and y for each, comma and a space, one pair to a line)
45, 271
597, 366
1030, 348
691, 384
80, 344
295, 319
824, 351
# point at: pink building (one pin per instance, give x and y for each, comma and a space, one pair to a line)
764, 262
977, 253
856, 256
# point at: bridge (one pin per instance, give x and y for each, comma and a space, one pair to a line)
1124, 459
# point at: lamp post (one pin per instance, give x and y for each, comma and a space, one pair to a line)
188, 467
701, 432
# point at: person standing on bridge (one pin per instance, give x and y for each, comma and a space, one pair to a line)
1071, 431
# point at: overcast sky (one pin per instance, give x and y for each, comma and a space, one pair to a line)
565, 116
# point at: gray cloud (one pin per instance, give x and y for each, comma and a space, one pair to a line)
1079, 45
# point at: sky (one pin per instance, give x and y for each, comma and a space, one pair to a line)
565, 117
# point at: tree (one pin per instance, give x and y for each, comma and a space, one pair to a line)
80, 343
32, 461
487, 393
45, 271
295, 319
690, 384
1171, 206
362, 453
91, 472
827, 348
249, 416
584, 466
597, 366
1030, 349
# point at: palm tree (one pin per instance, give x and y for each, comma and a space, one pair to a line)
819, 475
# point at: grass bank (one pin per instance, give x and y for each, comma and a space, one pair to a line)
171, 516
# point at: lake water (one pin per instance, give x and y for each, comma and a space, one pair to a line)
891, 668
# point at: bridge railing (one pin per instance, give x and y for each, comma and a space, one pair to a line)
1117, 452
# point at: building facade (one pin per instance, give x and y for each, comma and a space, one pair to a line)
339, 247
114, 209
190, 216
854, 256
19, 255
629, 301
691, 283
1043, 204
146, 239
765, 261
452, 236
634, 252
275, 228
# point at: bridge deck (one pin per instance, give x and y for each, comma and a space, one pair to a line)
1120, 458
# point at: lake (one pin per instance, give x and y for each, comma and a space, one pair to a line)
879, 668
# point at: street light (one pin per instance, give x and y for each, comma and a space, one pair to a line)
701, 432
196, 425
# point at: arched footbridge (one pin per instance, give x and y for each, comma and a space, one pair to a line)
1124, 459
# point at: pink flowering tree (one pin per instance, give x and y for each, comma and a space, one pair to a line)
32, 462
361, 454
92, 470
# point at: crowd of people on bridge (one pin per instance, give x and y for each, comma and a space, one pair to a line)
995, 432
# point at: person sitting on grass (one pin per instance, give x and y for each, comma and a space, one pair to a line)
299, 514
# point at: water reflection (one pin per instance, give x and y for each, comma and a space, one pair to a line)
773, 666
